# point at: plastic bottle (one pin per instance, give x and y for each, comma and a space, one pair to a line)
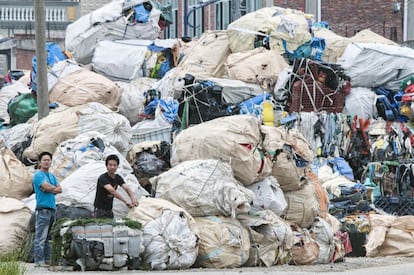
268, 114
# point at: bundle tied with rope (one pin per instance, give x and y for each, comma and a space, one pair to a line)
200, 101
316, 87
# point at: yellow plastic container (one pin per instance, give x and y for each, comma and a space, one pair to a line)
268, 114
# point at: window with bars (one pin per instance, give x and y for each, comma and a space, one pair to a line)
223, 14
171, 31
243, 7
253, 5
196, 18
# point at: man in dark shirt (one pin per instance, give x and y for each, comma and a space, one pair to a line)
106, 190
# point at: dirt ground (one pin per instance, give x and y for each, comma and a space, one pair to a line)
349, 263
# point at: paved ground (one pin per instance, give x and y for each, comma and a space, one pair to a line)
352, 266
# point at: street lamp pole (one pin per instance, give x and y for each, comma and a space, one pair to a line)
41, 65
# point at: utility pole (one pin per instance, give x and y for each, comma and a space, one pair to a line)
41, 65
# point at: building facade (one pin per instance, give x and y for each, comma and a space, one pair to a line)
17, 31
393, 19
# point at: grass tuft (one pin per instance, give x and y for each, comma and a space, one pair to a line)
10, 265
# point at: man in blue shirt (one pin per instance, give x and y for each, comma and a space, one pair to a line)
46, 187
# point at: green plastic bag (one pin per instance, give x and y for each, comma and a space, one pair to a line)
21, 108
407, 82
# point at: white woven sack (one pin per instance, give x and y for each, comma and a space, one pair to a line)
324, 235
169, 242
224, 242
303, 206
279, 23
106, 13
119, 60
67, 123
107, 23
210, 188
361, 102
289, 175
259, 66
364, 64
14, 227
133, 99
334, 44
268, 195
390, 236
170, 234
234, 139
207, 57
15, 179
83, 86
271, 238
74, 153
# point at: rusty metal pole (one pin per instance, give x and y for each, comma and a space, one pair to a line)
41, 64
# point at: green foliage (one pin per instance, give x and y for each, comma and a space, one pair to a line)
25, 248
9, 265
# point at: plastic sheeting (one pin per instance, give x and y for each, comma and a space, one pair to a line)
236, 91
15, 135
377, 65
361, 102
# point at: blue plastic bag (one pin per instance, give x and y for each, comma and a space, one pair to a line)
341, 166
141, 14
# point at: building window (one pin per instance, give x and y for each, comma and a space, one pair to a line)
223, 14
243, 7
253, 5
172, 30
196, 18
